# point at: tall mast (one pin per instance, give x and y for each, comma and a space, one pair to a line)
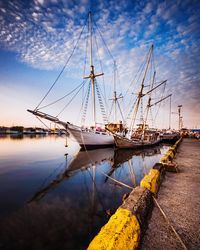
170, 111
92, 74
115, 97
140, 94
92, 71
142, 86
179, 117
115, 94
91, 33
149, 101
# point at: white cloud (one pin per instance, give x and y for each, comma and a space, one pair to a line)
148, 8
44, 39
39, 1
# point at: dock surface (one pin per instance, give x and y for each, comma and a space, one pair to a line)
179, 197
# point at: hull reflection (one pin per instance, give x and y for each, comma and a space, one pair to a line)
92, 157
87, 159
123, 155
82, 160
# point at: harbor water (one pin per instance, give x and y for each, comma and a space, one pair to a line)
57, 197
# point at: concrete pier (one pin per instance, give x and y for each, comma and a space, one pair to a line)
179, 197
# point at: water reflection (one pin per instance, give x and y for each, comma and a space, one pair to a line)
122, 156
82, 160
69, 197
92, 159
24, 136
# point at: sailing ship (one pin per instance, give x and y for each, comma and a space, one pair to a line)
86, 137
143, 136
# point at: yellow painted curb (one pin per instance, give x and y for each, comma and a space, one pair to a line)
164, 159
173, 148
150, 181
121, 232
170, 154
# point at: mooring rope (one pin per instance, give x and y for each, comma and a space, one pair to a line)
168, 222
155, 201
119, 182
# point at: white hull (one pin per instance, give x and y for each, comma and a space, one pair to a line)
90, 138
123, 142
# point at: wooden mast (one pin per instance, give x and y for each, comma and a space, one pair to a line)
140, 94
149, 101
115, 97
92, 77
179, 117
92, 74
115, 94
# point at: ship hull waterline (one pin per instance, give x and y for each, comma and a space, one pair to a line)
122, 142
90, 139
87, 139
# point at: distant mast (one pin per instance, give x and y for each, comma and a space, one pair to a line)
170, 111
115, 97
180, 117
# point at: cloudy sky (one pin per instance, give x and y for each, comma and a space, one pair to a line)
37, 38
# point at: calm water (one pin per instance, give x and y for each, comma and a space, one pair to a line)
55, 197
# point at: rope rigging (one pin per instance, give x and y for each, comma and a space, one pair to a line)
120, 112
71, 98
74, 48
86, 50
86, 34
152, 80
104, 42
131, 109
137, 75
86, 104
101, 66
148, 68
103, 112
159, 103
61, 97
111, 109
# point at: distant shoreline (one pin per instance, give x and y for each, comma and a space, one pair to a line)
20, 130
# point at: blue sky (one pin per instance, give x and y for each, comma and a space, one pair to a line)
36, 38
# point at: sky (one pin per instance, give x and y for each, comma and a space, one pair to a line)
37, 38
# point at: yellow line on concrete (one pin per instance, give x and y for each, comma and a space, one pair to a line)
150, 181
121, 232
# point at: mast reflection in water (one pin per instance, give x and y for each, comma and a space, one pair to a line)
54, 197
